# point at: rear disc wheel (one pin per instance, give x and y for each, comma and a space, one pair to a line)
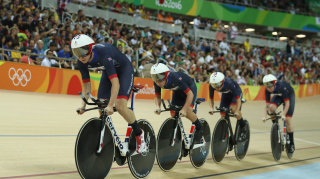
276, 142
198, 156
141, 164
241, 147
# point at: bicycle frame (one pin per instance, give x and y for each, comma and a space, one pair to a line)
187, 140
283, 135
123, 146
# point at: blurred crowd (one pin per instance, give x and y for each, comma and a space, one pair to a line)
27, 28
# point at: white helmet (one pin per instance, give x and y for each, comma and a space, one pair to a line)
159, 72
269, 80
81, 45
216, 79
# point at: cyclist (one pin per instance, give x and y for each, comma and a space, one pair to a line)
184, 93
231, 98
283, 93
116, 80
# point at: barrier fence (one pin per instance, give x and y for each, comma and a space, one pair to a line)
23, 77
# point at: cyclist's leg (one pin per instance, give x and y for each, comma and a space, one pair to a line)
276, 101
290, 128
225, 102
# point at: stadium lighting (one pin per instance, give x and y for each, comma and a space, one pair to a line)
283, 38
250, 30
301, 36
191, 22
226, 26
172, 24
274, 33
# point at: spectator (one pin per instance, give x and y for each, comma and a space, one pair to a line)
33, 49
53, 48
160, 17
185, 39
25, 58
224, 46
197, 22
49, 63
247, 45
201, 59
8, 21
178, 21
64, 53
7, 45
209, 57
169, 18
15, 56
143, 63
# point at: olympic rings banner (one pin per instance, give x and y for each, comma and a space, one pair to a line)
23, 77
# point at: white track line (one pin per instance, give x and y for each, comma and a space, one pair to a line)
294, 138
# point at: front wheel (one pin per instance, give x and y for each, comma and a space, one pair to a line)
90, 164
199, 155
276, 142
141, 164
220, 140
167, 155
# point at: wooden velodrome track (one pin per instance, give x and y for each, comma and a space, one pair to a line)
38, 132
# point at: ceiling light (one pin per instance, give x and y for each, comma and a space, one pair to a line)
191, 22
283, 38
301, 36
250, 30
226, 26
172, 24
274, 33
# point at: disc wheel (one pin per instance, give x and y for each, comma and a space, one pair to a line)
198, 156
167, 155
90, 164
220, 140
241, 147
141, 164
276, 142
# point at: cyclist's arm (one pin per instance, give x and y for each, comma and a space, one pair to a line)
267, 94
115, 86
211, 94
157, 90
85, 89
86, 84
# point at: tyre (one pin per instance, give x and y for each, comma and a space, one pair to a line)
220, 140
276, 142
198, 156
167, 155
141, 164
241, 147
90, 164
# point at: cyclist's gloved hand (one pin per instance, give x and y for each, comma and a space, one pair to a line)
157, 111
264, 119
283, 117
183, 113
80, 110
109, 110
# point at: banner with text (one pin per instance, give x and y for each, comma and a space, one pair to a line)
23, 77
233, 13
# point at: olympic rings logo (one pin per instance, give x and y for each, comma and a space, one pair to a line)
23, 77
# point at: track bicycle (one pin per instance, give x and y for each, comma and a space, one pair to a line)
279, 140
172, 140
98, 144
223, 139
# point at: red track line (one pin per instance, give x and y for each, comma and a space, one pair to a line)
61, 173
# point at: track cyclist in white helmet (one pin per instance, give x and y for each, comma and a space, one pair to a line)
230, 98
184, 93
116, 80
283, 93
